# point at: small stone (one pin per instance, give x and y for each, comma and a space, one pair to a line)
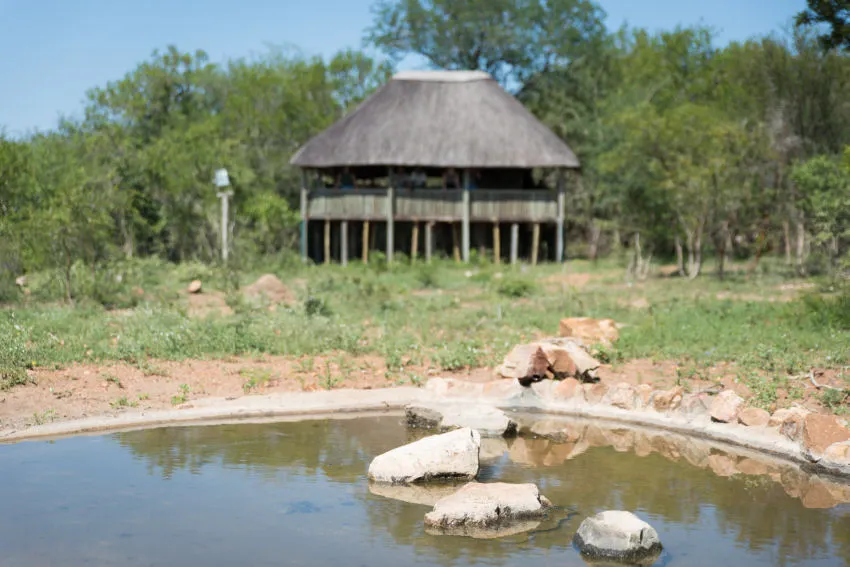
644, 393
621, 396
594, 393
478, 506
781, 415
754, 417
21, 281
725, 407
618, 536
790, 422
567, 388
820, 431
837, 457
665, 400
194, 286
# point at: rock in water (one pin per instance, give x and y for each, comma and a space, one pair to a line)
450, 456
617, 535
496, 507
486, 420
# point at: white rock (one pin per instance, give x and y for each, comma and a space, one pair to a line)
617, 535
478, 507
450, 456
486, 420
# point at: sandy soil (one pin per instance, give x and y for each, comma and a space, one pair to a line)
89, 390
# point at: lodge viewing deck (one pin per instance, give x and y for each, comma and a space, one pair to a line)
434, 205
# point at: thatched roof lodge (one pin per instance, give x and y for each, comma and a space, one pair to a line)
459, 125
438, 119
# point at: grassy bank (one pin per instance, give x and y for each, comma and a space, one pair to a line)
445, 317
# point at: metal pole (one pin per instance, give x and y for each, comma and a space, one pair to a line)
465, 219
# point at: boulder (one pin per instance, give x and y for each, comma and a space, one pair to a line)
617, 535
554, 357
819, 432
488, 421
754, 417
194, 287
478, 507
526, 363
449, 456
665, 400
726, 406
602, 331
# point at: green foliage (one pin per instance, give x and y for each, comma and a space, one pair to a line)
516, 287
834, 13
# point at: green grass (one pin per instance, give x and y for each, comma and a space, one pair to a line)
256, 378
453, 317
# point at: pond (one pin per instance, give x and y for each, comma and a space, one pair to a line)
294, 493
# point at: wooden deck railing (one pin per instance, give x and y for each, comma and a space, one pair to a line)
432, 205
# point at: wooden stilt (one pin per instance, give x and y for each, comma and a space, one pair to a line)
455, 243
497, 243
514, 243
429, 241
535, 243
414, 242
327, 242
343, 243
465, 222
365, 242
559, 225
390, 221
305, 198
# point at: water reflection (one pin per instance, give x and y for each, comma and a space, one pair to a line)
295, 493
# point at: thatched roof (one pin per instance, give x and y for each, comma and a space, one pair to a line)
458, 119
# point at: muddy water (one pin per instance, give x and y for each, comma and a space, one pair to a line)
294, 494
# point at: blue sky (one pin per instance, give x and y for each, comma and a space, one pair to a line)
52, 51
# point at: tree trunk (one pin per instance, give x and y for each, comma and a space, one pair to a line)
595, 233
786, 233
801, 249
722, 243
680, 256
693, 243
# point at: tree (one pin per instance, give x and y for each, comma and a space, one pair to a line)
513, 40
835, 14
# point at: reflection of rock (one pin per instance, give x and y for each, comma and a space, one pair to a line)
815, 494
722, 465
726, 406
478, 506
414, 493
622, 440
752, 467
492, 448
695, 452
819, 432
559, 431
488, 421
643, 444
452, 455
617, 535
506, 530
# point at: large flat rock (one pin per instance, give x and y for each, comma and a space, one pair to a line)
479, 508
487, 420
617, 535
449, 456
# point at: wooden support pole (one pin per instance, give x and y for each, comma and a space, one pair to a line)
497, 243
327, 257
343, 243
535, 242
465, 226
414, 242
390, 218
365, 242
429, 241
455, 244
514, 243
559, 225
305, 196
